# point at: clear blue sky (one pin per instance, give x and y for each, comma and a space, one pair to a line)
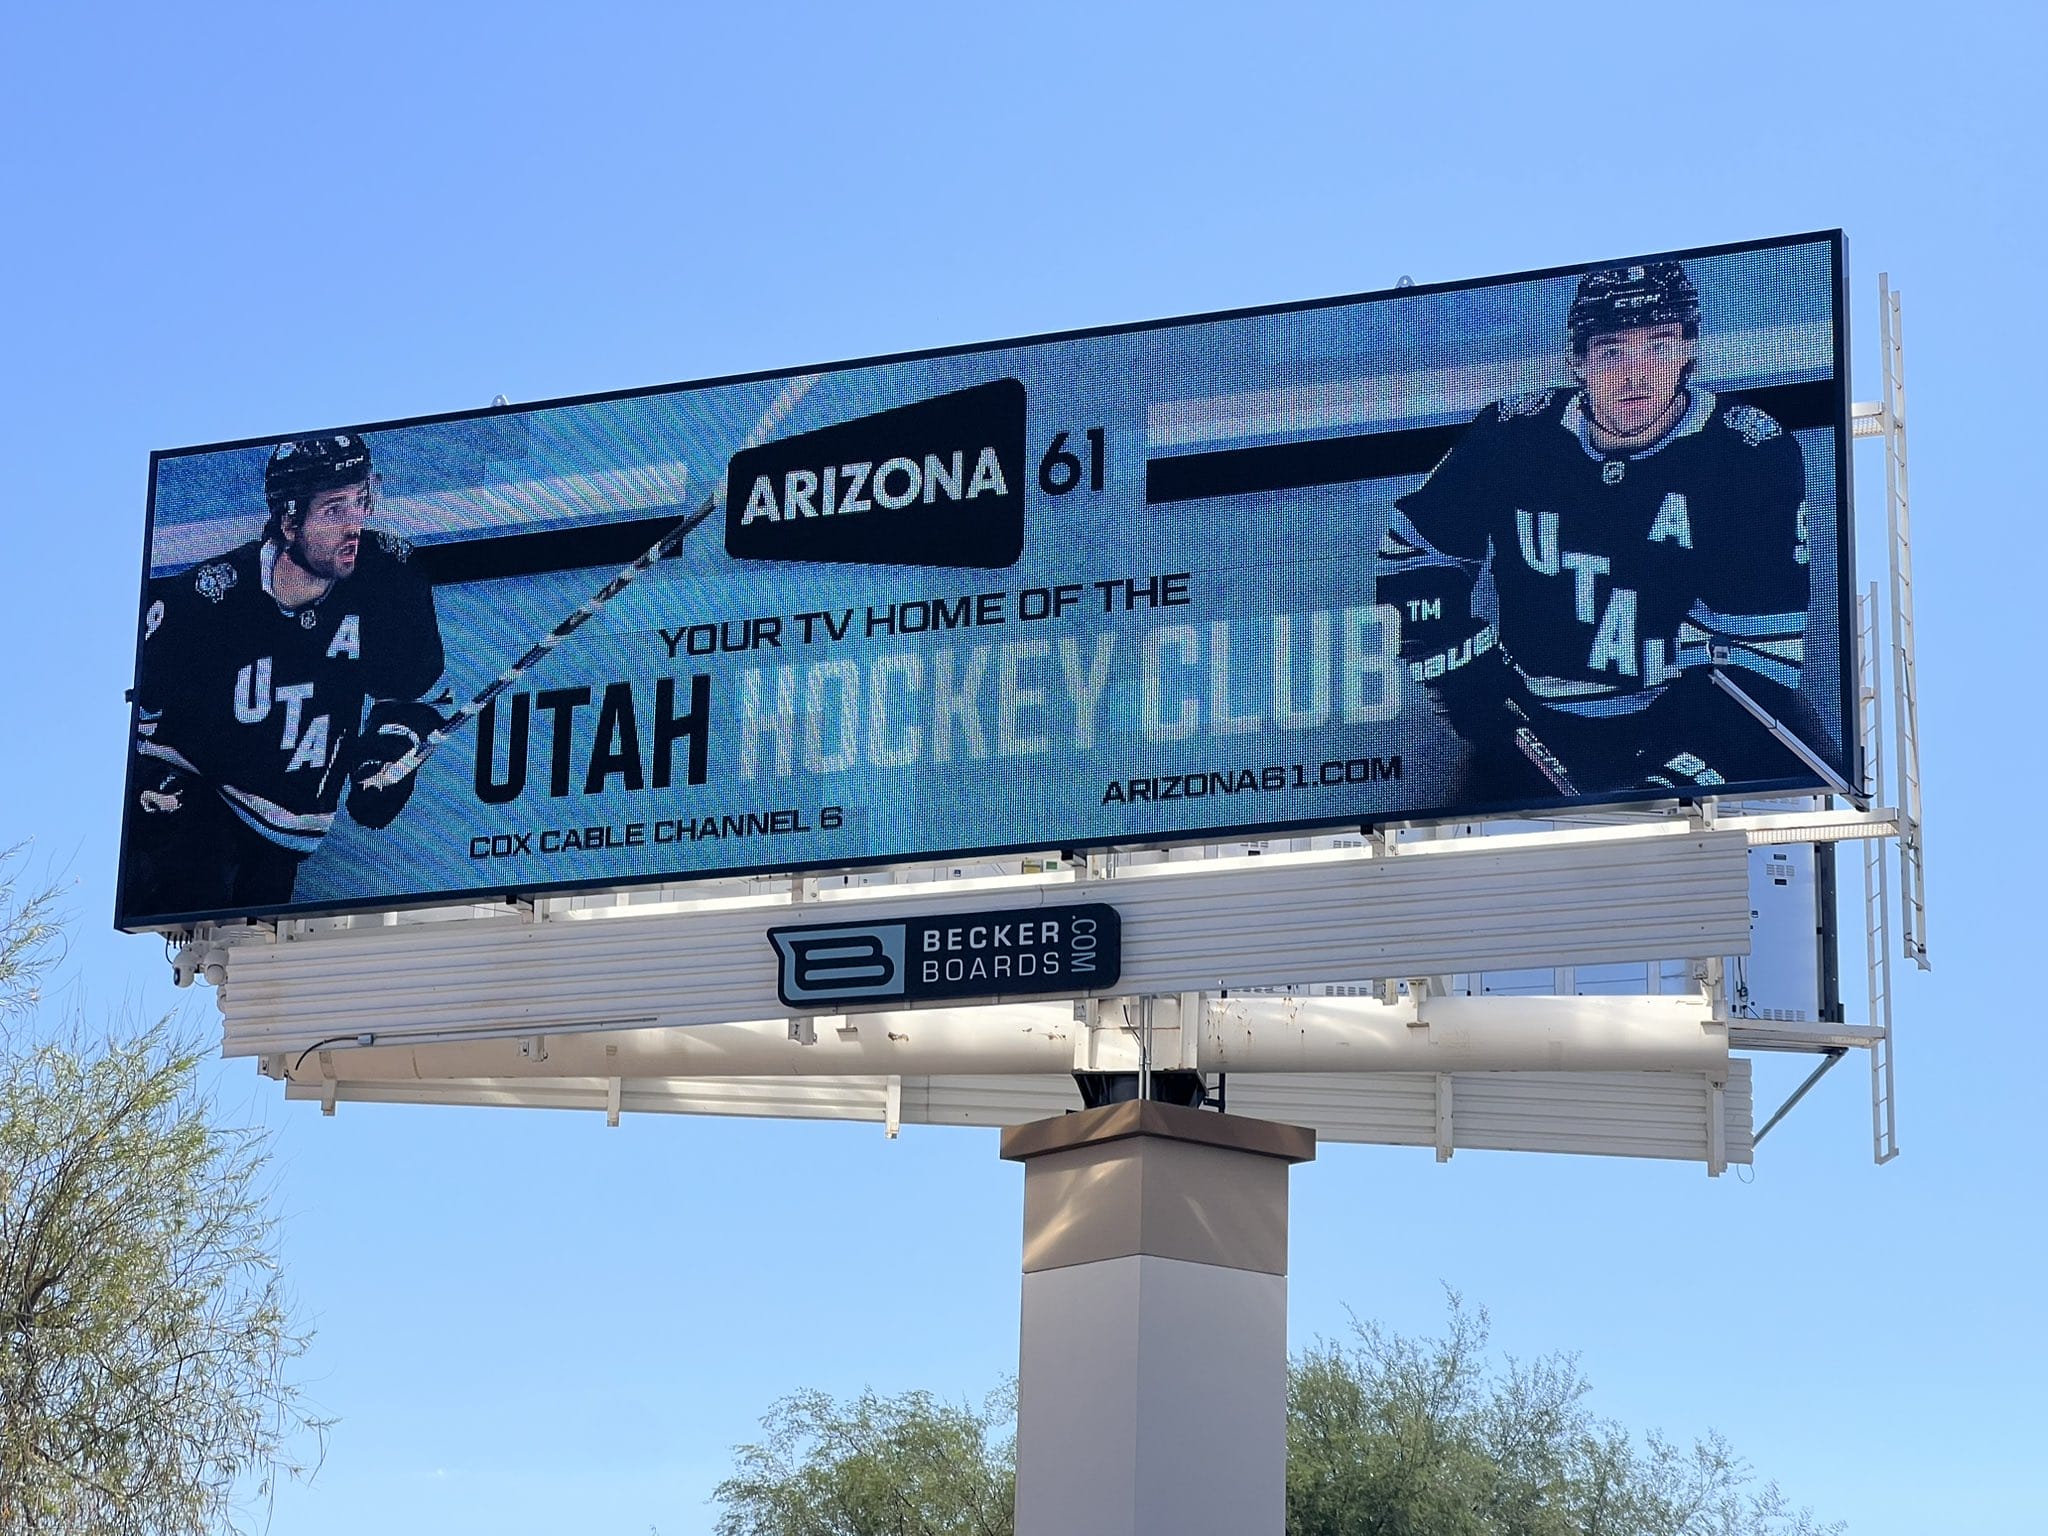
233, 221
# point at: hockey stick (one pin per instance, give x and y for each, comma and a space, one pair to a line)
399, 767
1544, 761
1541, 758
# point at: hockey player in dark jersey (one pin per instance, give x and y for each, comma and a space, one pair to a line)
273, 678
1581, 563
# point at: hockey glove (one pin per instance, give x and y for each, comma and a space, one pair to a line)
1485, 702
1696, 738
167, 794
394, 728
1475, 699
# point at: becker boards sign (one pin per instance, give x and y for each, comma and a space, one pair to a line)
1563, 538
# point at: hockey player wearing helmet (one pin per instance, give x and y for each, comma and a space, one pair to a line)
319, 498
1574, 569
1634, 343
273, 678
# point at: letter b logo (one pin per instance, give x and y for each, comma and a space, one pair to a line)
828, 965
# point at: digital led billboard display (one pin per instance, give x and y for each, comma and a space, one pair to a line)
1557, 539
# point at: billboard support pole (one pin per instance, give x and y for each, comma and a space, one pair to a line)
1152, 1367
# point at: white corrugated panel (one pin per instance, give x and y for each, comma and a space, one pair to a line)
987, 1100
1395, 1109
1615, 1114
1445, 908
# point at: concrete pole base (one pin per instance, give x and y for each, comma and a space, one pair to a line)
1152, 1375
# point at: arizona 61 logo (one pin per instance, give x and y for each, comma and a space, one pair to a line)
940, 482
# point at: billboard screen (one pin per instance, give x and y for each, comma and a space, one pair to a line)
1556, 539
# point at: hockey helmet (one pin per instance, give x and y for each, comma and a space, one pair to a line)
1625, 298
303, 467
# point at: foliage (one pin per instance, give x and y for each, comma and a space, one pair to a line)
144, 1329
1386, 1436
908, 1465
30, 936
1392, 1436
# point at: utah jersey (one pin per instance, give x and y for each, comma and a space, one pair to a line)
1603, 576
264, 702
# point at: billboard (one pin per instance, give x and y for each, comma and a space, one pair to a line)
1557, 539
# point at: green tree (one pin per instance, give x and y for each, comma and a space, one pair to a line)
144, 1331
1386, 1436
1393, 1436
908, 1465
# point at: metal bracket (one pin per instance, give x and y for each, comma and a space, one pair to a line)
1709, 978
1145, 1005
1784, 736
803, 1027
1717, 1129
1834, 1055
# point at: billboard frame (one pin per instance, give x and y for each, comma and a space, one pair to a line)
1646, 799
